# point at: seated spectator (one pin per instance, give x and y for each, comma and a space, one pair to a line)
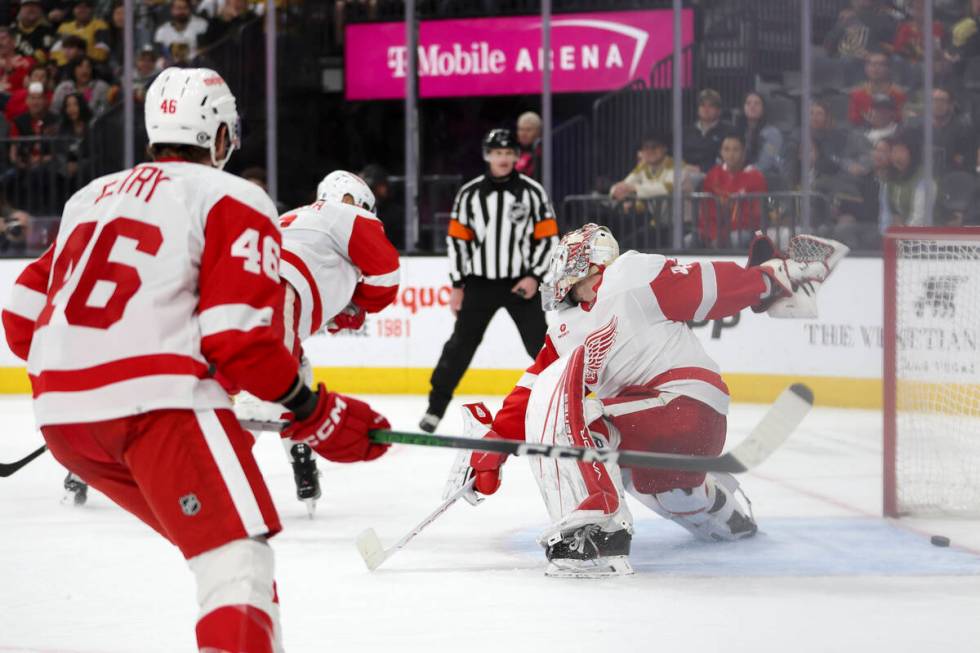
33, 35
907, 190
844, 150
72, 49
529, 140
37, 121
144, 72
908, 37
14, 67
13, 231
863, 28
882, 119
184, 27
653, 175
17, 103
954, 139
858, 209
114, 38
763, 142
233, 15
94, 31
702, 140
95, 91
877, 70
965, 39
75, 150
740, 217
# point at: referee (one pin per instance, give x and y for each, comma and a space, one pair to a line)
501, 234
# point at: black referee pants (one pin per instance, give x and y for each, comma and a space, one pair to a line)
482, 298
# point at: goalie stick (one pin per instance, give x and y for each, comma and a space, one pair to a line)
769, 434
373, 552
6, 469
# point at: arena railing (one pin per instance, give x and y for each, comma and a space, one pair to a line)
39, 173
645, 224
641, 224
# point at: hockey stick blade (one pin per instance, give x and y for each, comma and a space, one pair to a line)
371, 550
7, 469
771, 432
369, 544
776, 426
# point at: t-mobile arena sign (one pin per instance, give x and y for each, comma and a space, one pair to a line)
502, 56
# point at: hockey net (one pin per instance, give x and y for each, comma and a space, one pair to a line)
932, 371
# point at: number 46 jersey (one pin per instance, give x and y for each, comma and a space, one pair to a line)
160, 275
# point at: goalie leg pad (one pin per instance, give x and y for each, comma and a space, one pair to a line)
664, 422
711, 511
236, 594
575, 493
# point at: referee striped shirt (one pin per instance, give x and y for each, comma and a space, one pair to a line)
501, 229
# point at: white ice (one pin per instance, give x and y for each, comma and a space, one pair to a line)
825, 574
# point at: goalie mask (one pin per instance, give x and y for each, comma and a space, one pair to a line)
572, 261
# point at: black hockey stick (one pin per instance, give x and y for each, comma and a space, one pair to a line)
6, 469
779, 422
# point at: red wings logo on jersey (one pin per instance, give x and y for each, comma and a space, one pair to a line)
597, 346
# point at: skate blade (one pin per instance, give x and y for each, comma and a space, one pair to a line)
370, 548
72, 501
608, 567
310, 507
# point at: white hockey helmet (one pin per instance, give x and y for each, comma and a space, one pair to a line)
573, 260
187, 106
339, 183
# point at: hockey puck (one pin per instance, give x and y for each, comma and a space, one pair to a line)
939, 540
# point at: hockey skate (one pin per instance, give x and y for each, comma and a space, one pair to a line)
589, 552
306, 475
76, 491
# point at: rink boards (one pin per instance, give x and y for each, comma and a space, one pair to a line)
839, 354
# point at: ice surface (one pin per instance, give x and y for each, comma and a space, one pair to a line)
825, 574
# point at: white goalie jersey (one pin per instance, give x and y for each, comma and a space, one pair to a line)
635, 331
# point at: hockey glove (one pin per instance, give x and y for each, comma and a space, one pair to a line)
352, 317
338, 427
486, 466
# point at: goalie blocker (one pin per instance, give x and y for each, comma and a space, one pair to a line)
614, 314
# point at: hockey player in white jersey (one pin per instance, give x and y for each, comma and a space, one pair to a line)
337, 265
161, 277
620, 331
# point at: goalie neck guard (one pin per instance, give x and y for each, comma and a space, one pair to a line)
579, 250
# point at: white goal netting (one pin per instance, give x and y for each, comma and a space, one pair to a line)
937, 375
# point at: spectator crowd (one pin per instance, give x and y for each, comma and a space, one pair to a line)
61, 67
866, 158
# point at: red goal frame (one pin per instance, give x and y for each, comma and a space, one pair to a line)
889, 385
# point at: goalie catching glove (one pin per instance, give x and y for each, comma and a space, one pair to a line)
335, 426
797, 278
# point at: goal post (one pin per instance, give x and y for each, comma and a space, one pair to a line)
931, 375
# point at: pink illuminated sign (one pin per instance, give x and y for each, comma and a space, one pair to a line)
502, 56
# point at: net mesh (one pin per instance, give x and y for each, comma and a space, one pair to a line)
806, 249
937, 376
